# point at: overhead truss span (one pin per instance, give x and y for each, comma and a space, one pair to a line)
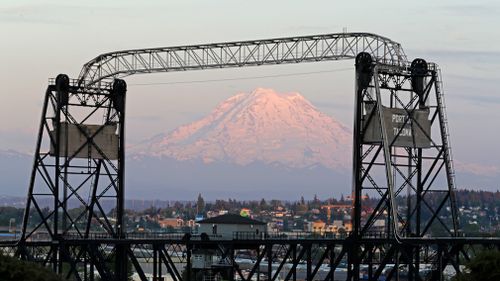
326, 47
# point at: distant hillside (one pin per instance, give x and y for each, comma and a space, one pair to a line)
15, 168
478, 198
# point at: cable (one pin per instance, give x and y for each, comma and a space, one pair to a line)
240, 78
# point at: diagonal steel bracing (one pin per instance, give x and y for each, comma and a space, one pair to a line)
314, 48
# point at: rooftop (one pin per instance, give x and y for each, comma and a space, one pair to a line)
231, 219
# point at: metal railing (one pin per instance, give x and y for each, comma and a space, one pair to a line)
303, 235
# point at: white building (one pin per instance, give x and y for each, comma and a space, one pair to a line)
229, 225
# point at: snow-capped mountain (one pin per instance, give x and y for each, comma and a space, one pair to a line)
252, 145
263, 126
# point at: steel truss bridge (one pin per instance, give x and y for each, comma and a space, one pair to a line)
401, 156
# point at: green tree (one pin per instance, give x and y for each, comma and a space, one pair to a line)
263, 204
301, 209
275, 203
12, 269
484, 267
200, 204
8, 213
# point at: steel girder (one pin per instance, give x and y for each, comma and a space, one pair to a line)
261, 259
313, 48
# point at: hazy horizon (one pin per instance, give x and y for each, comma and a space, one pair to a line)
261, 142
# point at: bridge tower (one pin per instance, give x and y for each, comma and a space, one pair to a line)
79, 162
403, 180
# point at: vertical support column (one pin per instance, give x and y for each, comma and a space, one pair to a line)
352, 260
188, 261
91, 265
258, 263
409, 196
440, 266
419, 69
331, 261
370, 261
309, 262
409, 228
231, 258
155, 262
295, 261
85, 269
270, 262
62, 94
364, 73
160, 265
117, 97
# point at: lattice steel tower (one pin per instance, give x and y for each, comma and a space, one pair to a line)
402, 156
79, 161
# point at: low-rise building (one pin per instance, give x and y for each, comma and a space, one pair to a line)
320, 227
171, 222
227, 225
